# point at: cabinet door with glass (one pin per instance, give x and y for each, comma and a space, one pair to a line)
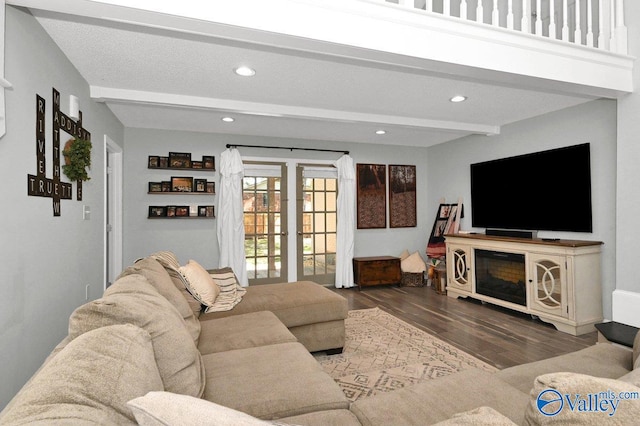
459, 267
548, 284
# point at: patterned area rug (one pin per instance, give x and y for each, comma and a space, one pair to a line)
383, 353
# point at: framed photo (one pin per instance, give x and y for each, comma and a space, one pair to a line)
196, 164
166, 186
208, 162
402, 196
154, 162
155, 186
157, 211
200, 185
202, 211
210, 211
371, 196
181, 184
180, 160
171, 211
163, 162
182, 211
211, 188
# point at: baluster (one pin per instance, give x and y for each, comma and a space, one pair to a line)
577, 34
525, 26
552, 19
612, 15
601, 42
621, 29
589, 23
446, 7
429, 5
495, 15
480, 12
510, 15
463, 9
538, 17
565, 21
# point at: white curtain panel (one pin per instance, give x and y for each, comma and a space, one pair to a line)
346, 221
230, 215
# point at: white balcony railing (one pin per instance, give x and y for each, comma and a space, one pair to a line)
592, 23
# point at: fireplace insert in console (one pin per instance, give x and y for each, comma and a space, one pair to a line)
501, 275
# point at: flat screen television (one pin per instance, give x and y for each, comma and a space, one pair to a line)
547, 190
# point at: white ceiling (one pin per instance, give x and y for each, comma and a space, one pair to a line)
162, 79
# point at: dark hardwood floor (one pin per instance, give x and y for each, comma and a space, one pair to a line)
498, 336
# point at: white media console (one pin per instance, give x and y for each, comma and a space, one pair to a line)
559, 281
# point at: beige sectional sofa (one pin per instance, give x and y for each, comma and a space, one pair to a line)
143, 354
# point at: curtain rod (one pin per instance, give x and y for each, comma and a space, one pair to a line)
229, 145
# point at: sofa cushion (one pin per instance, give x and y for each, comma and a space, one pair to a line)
159, 278
586, 361
296, 303
323, 418
243, 331
579, 399
166, 409
178, 359
231, 292
200, 284
170, 263
90, 380
271, 382
481, 416
437, 400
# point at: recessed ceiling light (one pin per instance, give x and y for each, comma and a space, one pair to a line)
381, 132
228, 119
458, 98
245, 71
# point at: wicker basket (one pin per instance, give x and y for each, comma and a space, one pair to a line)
410, 279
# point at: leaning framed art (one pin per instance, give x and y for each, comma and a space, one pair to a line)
371, 185
402, 196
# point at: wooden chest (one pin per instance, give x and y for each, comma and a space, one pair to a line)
377, 270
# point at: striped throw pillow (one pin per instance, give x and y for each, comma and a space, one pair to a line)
230, 291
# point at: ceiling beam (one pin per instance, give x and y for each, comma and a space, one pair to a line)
126, 96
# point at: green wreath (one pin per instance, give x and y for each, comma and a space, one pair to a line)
77, 154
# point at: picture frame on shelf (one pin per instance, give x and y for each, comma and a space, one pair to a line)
157, 211
154, 162
182, 211
163, 162
211, 188
180, 160
166, 186
171, 211
209, 162
181, 184
210, 211
196, 164
202, 211
200, 185
155, 186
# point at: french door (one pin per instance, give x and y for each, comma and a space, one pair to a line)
267, 187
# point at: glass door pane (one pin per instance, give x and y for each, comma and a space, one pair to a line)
265, 227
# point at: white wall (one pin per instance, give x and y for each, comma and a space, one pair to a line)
628, 176
593, 122
46, 261
196, 239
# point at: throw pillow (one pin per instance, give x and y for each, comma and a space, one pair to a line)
166, 258
579, 399
413, 264
481, 416
199, 283
90, 380
179, 361
164, 408
172, 266
230, 290
404, 254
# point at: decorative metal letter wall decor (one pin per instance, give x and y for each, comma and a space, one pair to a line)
39, 185
402, 196
372, 196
